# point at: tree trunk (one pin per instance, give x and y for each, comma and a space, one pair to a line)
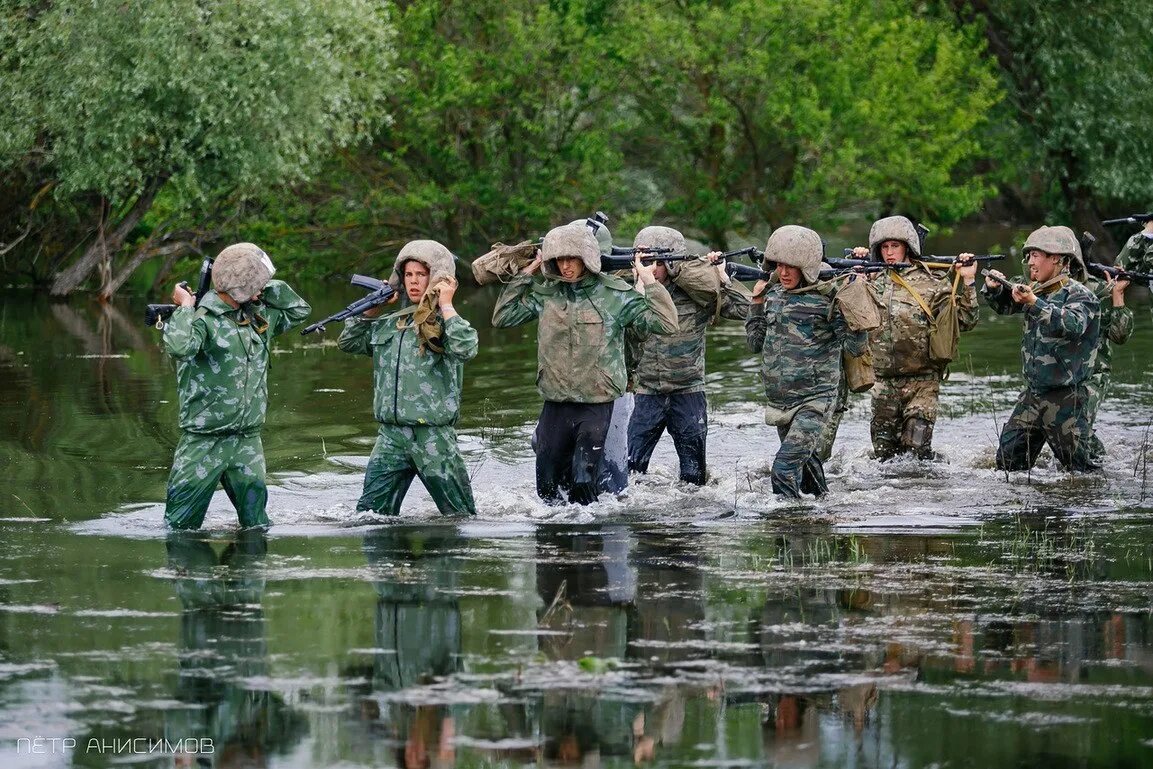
146, 251
69, 280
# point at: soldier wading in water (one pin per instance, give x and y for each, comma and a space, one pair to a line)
583, 316
221, 352
418, 356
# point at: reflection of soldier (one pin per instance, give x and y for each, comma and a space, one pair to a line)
418, 634
222, 645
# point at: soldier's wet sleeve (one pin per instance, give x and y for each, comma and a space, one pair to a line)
184, 333
284, 308
517, 303
755, 327
1068, 320
968, 311
356, 336
1117, 324
460, 339
654, 312
735, 301
1134, 255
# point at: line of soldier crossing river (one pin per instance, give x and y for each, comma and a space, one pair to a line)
621, 355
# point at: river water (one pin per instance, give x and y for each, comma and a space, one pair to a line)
922, 615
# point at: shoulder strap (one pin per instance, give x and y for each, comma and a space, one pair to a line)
917, 297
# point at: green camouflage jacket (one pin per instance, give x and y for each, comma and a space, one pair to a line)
675, 363
1062, 331
1137, 254
901, 344
801, 334
581, 339
1116, 323
222, 362
412, 386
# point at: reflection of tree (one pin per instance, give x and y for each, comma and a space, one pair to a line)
223, 652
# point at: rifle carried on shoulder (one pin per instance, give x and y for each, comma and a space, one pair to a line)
743, 273
649, 255
382, 293
1116, 273
158, 314
865, 264
1131, 219
1003, 282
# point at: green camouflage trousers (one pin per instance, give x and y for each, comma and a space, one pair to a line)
1098, 387
796, 468
234, 461
402, 453
1059, 417
825, 446
904, 412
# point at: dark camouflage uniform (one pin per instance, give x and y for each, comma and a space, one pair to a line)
800, 334
1137, 254
416, 399
908, 380
669, 380
1059, 354
222, 384
1116, 328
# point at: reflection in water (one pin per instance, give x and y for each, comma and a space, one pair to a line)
224, 655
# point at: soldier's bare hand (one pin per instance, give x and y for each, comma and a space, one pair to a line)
1118, 288
374, 312
448, 288
860, 252
644, 271
759, 291
715, 257
967, 266
533, 266
182, 297
992, 284
1022, 294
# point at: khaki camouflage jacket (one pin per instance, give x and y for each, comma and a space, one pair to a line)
801, 334
1116, 323
222, 362
1137, 254
581, 340
901, 344
412, 386
1062, 331
675, 363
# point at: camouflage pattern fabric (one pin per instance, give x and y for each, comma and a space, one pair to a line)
404, 452
901, 345
203, 461
580, 343
222, 384
412, 386
829, 437
1062, 332
904, 413
1058, 416
675, 363
1137, 254
685, 415
796, 468
1097, 388
800, 335
222, 359
1116, 323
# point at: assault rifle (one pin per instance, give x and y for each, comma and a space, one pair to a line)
1131, 219
931, 259
1116, 273
747, 274
615, 262
382, 292
157, 314
866, 264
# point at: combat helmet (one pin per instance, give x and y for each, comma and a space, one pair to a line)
665, 238
1077, 267
600, 230
433, 255
797, 247
569, 240
242, 270
894, 228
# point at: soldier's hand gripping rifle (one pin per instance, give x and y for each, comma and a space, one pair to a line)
381, 293
648, 255
865, 264
1002, 281
1116, 273
752, 274
1131, 219
158, 314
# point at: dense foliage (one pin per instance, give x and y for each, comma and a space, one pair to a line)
139, 130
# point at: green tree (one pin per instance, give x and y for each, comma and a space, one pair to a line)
756, 111
1080, 84
110, 107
